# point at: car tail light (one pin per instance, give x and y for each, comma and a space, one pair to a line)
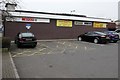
22, 39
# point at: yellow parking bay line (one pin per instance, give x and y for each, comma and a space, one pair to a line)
42, 49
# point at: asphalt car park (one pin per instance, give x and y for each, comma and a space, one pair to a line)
67, 59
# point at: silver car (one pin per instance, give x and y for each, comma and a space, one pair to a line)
118, 31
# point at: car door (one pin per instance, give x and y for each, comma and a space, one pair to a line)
88, 36
84, 37
94, 36
91, 36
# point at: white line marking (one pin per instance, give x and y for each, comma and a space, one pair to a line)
15, 70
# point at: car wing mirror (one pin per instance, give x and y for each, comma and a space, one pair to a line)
85, 34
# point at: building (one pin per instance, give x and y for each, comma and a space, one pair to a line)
53, 25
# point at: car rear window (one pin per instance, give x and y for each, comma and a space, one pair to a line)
111, 32
27, 35
117, 30
100, 33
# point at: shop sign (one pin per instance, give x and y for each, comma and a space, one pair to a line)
28, 26
24, 19
28, 19
78, 23
64, 23
43, 20
83, 23
99, 25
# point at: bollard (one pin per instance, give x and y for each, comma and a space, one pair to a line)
6, 43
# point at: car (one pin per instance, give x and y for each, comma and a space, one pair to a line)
25, 39
94, 36
118, 31
114, 36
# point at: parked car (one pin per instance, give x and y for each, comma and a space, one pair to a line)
114, 36
94, 36
25, 39
118, 31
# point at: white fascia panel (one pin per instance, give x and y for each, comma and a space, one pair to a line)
58, 17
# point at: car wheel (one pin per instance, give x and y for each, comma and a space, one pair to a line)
96, 41
79, 39
18, 45
106, 42
115, 41
34, 46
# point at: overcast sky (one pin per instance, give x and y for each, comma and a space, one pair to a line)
90, 8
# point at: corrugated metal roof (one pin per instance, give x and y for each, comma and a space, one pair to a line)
57, 16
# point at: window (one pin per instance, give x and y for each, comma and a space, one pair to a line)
89, 33
100, 33
27, 35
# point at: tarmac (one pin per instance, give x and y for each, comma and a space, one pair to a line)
0, 34
7, 66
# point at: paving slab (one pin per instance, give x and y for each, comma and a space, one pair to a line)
7, 66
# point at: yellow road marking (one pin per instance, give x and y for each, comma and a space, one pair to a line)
42, 49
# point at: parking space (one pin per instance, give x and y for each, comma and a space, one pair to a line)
67, 59
54, 47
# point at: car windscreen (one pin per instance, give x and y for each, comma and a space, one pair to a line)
27, 35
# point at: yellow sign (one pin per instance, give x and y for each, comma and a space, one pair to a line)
99, 25
64, 23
